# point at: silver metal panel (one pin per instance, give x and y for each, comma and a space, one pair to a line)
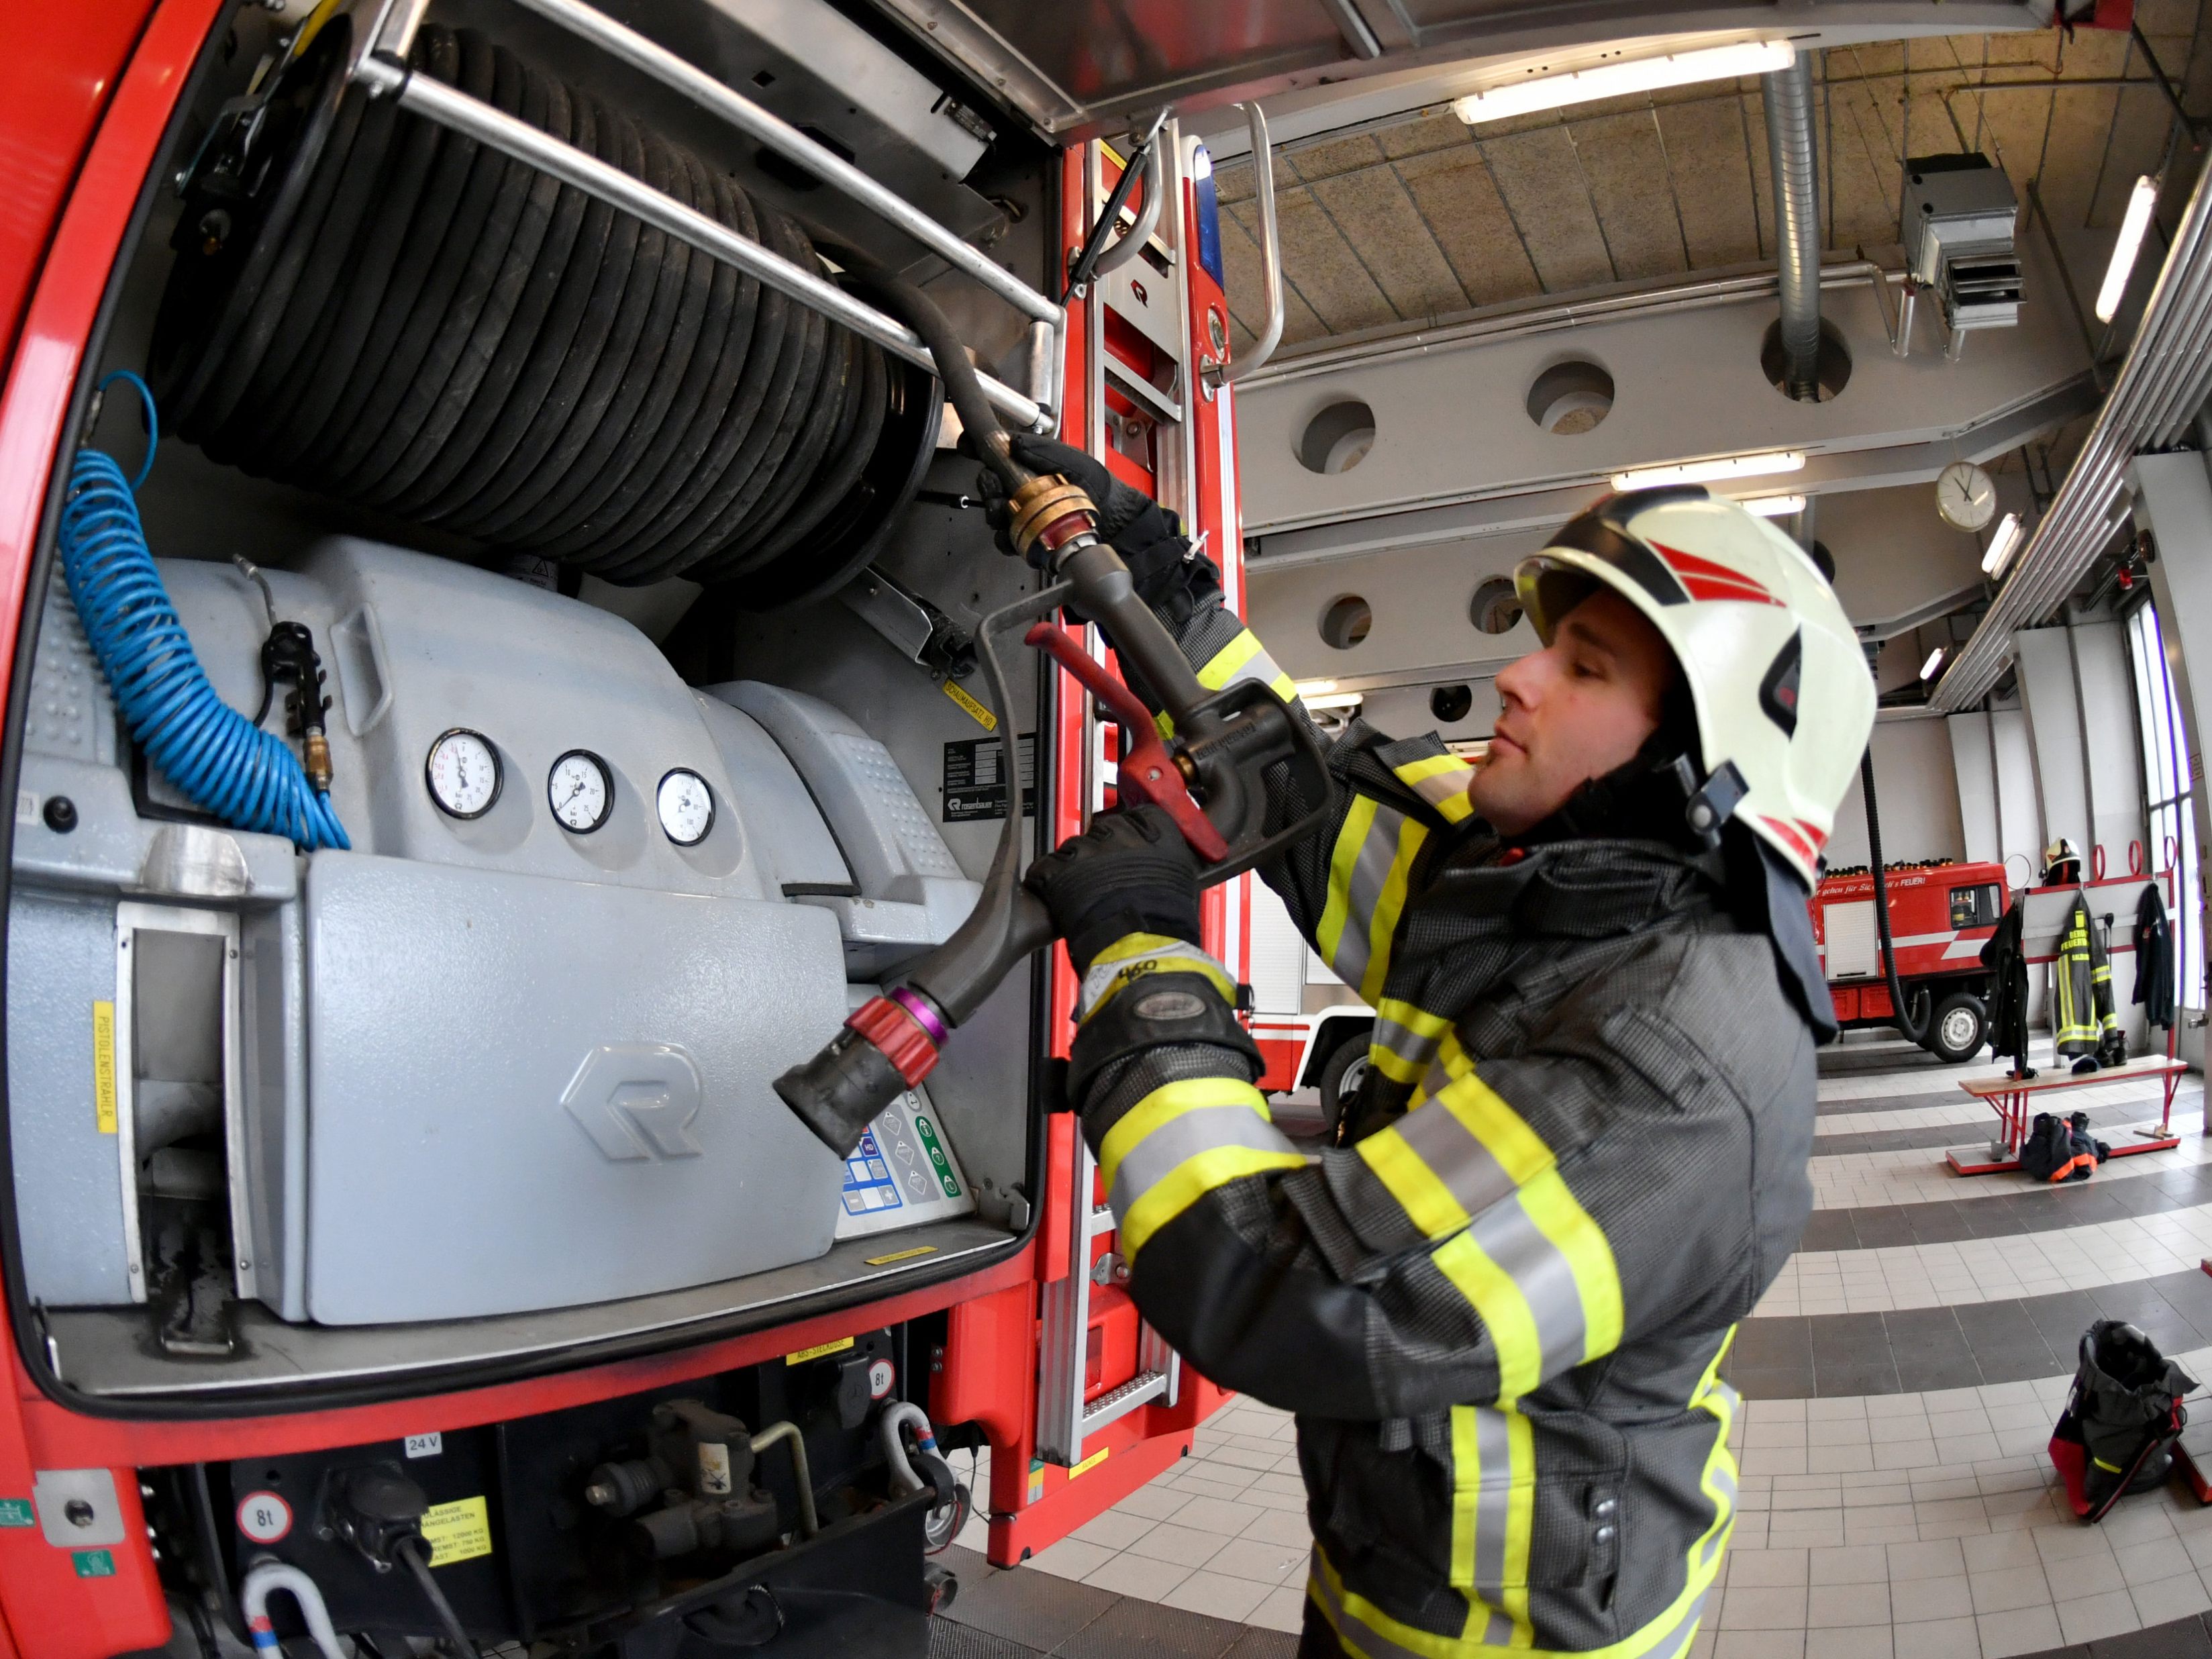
77, 1508
105, 1352
794, 846
272, 1111
69, 1178
529, 1094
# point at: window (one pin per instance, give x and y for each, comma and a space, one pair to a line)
2169, 782
1974, 907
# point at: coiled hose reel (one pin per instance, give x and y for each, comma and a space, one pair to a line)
374, 307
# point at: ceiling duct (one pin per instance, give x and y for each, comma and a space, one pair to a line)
1789, 97
2164, 381
1959, 221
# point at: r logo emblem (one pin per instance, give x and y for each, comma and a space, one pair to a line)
637, 1100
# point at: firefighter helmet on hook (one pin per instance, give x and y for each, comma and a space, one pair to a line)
2061, 863
1774, 668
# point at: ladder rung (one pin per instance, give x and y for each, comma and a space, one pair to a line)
1122, 1400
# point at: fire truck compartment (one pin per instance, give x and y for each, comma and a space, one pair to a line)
494, 1084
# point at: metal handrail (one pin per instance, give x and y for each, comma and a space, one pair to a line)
382, 71
1271, 253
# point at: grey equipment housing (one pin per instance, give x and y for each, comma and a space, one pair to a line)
474, 1067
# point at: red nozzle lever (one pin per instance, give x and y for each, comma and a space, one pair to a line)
1147, 770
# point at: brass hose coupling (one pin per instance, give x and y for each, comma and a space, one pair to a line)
1048, 512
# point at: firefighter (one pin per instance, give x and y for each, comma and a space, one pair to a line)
1500, 1312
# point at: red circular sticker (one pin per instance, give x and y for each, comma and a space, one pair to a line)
880, 1378
263, 1517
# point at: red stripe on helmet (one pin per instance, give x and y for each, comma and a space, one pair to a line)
1790, 833
1707, 581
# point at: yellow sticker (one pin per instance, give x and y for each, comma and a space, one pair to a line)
1089, 1463
900, 1255
457, 1531
818, 1351
984, 717
103, 1065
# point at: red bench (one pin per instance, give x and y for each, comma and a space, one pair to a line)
2010, 1097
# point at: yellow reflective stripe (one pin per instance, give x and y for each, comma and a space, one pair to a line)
1245, 659
1504, 1311
1337, 910
1192, 1180
1520, 1525
1441, 780
1719, 1481
1384, 923
1466, 1485
1243, 1143
1405, 1039
1367, 1632
1139, 956
1428, 1203
1168, 1101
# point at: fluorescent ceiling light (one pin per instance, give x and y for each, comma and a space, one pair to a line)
2125, 246
1934, 661
1680, 68
2001, 545
1335, 700
1315, 688
1774, 507
1726, 466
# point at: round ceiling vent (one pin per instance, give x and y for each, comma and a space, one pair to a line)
1338, 439
1345, 622
1571, 397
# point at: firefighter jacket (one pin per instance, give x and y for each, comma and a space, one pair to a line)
1499, 1319
2083, 1018
2003, 956
2153, 958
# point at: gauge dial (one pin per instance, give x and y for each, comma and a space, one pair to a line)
686, 805
1966, 497
580, 791
463, 772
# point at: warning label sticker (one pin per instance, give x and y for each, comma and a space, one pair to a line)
975, 783
457, 1531
103, 1063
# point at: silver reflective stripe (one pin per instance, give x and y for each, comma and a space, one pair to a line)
1370, 873
1539, 1268
1493, 1504
1181, 1138
1102, 976
1443, 788
1404, 1042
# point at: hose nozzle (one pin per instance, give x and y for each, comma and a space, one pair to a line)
889, 1045
1049, 512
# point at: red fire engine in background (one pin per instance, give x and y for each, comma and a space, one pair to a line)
1941, 915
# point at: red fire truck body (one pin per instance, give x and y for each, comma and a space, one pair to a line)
1940, 917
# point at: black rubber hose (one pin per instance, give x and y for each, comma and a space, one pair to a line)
1903, 1018
963, 388
416, 1554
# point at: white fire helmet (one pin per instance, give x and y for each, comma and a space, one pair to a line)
1780, 683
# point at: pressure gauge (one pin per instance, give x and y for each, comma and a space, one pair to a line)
686, 805
1966, 497
580, 791
462, 772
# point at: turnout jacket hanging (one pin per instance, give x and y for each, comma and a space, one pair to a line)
2006, 962
2154, 959
2084, 1017
1500, 1318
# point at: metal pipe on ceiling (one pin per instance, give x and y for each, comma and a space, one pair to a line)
1789, 99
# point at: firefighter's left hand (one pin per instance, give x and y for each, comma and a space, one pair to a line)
1130, 873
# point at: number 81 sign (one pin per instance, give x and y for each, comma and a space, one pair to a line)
264, 1517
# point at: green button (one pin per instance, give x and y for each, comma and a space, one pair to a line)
93, 1563
17, 1512
943, 1164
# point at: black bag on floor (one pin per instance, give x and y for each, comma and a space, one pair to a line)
2122, 1418
2049, 1146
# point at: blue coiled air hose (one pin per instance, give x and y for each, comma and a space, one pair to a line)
223, 762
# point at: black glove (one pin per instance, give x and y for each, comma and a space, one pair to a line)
1148, 537
1130, 873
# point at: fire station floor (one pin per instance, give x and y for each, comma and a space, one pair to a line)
1901, 1379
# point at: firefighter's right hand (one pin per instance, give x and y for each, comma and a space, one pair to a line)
1145, 535
1130, 873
